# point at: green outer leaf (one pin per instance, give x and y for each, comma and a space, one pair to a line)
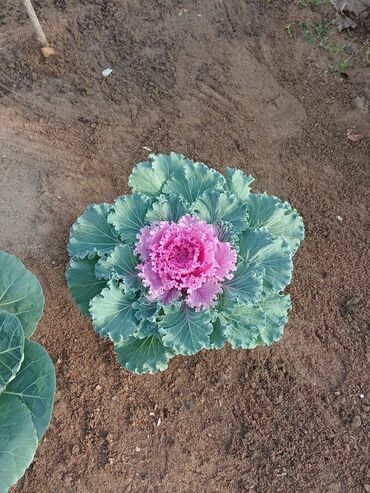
277, 216
257, 342
113, 314
192, 180
120, 265
146, 355
147, 328
214, 207
18, 440
35, 385
184, 330
238, 183
149, 177
276, 308
251, 325
82, 282
260, 247
168, 208
128, 216
243, 325
217, 337
145, 309
20, 292
246, 285
226, 233
91, 234
11, 347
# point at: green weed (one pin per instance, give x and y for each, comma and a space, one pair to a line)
342, 67
366, 52
335, 49
313, 3
289, 29
308, 32
321, 30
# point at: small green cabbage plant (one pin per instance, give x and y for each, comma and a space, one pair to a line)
27, 375
189, 261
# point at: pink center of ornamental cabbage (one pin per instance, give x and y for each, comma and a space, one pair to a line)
184, 259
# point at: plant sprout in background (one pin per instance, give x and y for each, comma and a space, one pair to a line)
190, 261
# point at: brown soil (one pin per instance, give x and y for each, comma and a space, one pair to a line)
222, 82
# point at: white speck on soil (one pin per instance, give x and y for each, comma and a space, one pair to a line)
159, 421
106, 72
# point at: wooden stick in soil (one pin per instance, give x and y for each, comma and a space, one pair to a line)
46, 50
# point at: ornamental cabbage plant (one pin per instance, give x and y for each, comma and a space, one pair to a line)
27, 376
190, 260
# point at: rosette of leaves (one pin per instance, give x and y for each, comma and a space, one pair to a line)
27, 376
250, 309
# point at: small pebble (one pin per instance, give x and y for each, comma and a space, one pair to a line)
137, 449
351, 306
340, 218
159, 421
356, 421
349, 50
68, 479
361, 396
189, 404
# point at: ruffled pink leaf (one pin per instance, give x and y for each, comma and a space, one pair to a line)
204, 296
170, 295
143, 245
226, 259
